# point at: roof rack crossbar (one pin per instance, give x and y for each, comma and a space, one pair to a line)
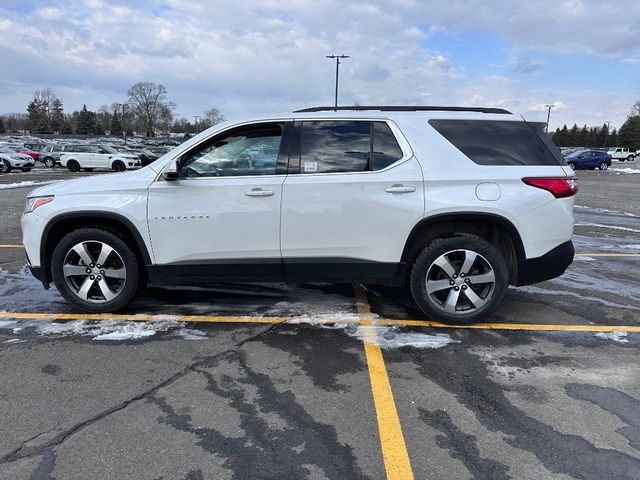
404, 108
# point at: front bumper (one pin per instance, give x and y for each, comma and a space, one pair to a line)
550, 265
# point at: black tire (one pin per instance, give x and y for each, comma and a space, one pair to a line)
25, 170
572, 165
7, 166
118, 166
123, 260
49, 162
487, 295
603, 166
630, 158
73, 166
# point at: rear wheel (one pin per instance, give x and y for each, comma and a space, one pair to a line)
95, 270
73, 166
459, 279
7, 166
118, 166
603, 166
49, 162
631, 158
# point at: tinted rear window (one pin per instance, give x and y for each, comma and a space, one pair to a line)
491, 142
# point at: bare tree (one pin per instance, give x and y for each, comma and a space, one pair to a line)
635, 110
213, 116
149, 101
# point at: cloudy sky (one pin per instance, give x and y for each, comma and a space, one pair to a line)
253, 56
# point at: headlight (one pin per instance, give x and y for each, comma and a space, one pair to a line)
35, 202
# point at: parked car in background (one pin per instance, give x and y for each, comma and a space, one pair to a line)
50, 154
90, 157
12, 159
589, 159
622, 154
145, 155
22, 149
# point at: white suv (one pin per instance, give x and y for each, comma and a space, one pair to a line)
622, 154
454, 203
90, 157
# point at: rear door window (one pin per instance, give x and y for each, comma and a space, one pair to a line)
329, 146
494, 142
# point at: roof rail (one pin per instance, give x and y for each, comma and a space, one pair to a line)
404, 108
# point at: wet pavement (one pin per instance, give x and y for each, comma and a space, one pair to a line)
172, 399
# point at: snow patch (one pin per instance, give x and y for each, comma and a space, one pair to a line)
612, 227
191, 334
29, 183
625, 170
619, 337
391, 337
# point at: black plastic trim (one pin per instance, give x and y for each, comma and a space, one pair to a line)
90, 214
291, 269
403, 108
40, 274
468, 216
550, 265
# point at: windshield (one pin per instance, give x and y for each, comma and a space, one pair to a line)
575, 154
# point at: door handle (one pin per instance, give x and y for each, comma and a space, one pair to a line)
258, 192
400, 189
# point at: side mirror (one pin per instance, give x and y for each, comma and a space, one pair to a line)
172, 173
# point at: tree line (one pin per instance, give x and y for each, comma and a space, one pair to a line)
147, 112
628, 136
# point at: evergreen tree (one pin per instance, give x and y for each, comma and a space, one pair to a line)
66, 128
86, 122
629, 134
116, 126
603, 136
583, 136
2, 128
613, 138
44, 126
574, 136
35, 112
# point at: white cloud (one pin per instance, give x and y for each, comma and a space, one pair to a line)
254, 56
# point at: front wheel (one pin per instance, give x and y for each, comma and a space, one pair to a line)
49, 162
7, 166
603, 166
631, 158
118, 166
459, 279
95, 270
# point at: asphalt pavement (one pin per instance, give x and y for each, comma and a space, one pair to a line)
330, 381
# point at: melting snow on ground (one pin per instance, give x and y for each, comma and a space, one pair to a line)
625, 170
619, 337
391, 337
30, 183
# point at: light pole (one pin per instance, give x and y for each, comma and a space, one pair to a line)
337, 57
549, 107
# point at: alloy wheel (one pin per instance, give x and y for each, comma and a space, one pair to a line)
460, 281
94, 271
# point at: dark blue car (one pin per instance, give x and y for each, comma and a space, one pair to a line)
589, 159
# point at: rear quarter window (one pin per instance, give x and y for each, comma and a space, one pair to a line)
494, 142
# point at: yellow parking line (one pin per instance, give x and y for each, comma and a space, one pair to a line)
318, 320
394, 450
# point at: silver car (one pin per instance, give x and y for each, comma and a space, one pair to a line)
50, 155
11, 159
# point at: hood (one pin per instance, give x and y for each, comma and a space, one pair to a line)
108, 182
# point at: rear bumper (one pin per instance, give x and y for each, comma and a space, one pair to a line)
550, 265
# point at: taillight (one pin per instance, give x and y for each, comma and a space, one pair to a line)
558, 187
